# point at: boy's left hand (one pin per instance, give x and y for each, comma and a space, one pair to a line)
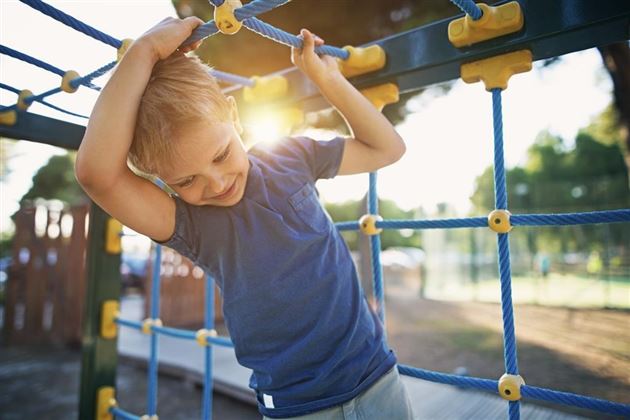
317, 68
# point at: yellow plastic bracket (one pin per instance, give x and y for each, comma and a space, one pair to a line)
292, 116
21, 103
367, 224
496, 71
148, 323
110, 310
266, 89
8, 117
510, 387
67, 78
382, 95
499, 221
362, 60
105, 399
224, 17
126, 43
202, 335
113, 230
495, 22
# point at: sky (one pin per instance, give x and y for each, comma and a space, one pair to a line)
448, 137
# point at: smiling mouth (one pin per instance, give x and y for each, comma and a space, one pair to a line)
228, 193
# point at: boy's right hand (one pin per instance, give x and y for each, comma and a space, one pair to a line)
167, 36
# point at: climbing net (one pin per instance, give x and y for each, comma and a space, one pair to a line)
229, 17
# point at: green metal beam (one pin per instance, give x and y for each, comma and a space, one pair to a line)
99, 356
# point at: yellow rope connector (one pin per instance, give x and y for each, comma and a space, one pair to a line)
495, 22
104, 401
202, 336
292, 116
8, 117
21, 103
124, 46
224, 17
67, 78
499, 221
362, 60
113, 242
110, 310
148, 323
367, 224
496, 71
382, 95
266, 89
510, 387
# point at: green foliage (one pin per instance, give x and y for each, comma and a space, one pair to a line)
56, 180
6, 243
590, 176
5, 155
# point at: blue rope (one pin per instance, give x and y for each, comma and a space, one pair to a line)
607, 216
570, 399
375, 247
207, 379
202, 32
10, 88
232, 78
175, 332
85, 80
17, 91
122, 414
503, 245
43, 65
282, 37
126, 323
31, 60
76, 82
450, 379
469, 7
527, 391
155, 313
74, 23
468, 222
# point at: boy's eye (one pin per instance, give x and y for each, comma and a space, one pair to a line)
187, 182
223, 155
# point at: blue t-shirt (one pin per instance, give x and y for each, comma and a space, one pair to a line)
292, 301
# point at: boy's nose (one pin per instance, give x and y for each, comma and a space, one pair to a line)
216, 186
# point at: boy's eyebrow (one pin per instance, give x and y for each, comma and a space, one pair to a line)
218, 153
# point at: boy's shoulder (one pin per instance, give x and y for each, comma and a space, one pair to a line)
317, 158
288, 146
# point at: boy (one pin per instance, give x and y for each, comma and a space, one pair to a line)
292, 302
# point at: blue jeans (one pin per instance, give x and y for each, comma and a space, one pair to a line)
386, 399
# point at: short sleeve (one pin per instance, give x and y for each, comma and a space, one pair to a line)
184, 239
322, 157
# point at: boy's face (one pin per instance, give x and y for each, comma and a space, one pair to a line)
210, 165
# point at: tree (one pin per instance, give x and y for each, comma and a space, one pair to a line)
616, 59
56, 180
590, 176
5, 155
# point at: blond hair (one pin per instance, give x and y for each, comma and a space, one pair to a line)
180, 91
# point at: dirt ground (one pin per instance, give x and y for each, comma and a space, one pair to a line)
584, 351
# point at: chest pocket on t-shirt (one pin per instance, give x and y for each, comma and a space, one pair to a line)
306, 204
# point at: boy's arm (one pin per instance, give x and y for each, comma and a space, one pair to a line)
101, 164
374, 142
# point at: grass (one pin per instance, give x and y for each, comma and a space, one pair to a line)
555, 290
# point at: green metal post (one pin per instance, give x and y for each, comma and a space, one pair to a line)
99, 355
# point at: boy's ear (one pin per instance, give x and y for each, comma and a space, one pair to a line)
234, 115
